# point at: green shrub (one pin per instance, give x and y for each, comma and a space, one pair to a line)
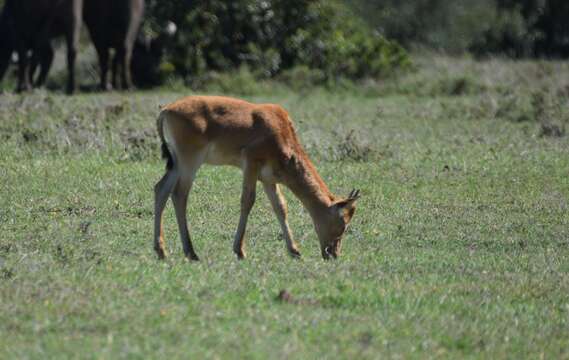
272, 36
241, 81
339, 45
301, 77
510, 35
518, 28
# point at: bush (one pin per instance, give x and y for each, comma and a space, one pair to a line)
517, 28
339, 45
510, 34
302, 77
241, 81
269, 36
443, 25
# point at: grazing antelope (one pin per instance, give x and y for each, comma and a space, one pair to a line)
259, 139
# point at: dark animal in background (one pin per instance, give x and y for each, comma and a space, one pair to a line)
7, 49
6, 44
29, 25
114, 24
147, 55
124, 21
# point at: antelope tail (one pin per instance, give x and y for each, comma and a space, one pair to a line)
166, 154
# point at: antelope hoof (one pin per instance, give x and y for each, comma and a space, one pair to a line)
240, 254
161, 253
192, 257
294, 253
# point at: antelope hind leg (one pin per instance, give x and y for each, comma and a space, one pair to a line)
162, 190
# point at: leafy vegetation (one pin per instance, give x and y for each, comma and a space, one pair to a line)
517, 28
272, 36
458, 248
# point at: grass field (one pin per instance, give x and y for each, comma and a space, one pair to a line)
459, 246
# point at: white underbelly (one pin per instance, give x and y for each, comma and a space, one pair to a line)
267, 174
215, 156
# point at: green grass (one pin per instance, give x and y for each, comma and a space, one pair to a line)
459, 246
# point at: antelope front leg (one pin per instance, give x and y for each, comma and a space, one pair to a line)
278, 203
247, 201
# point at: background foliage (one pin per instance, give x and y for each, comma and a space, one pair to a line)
318, 42
519, 28
272, 36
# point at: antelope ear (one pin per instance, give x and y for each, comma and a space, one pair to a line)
354, 195
347, 205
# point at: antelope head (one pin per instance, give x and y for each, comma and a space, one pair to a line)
332, 227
